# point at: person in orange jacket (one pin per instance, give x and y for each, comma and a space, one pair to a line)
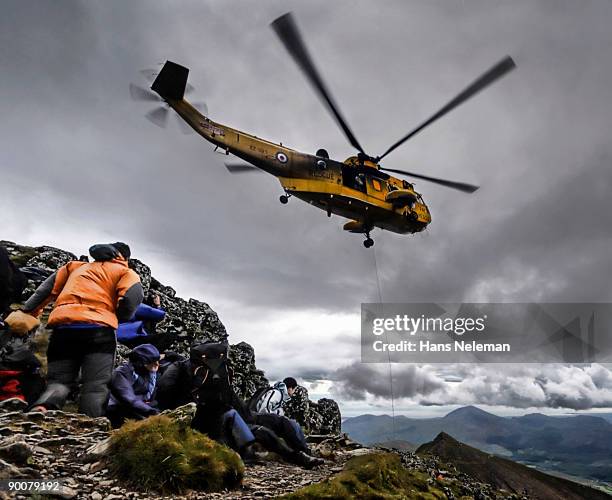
90, 300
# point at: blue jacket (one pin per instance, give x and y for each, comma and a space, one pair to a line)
133, 386
135, 326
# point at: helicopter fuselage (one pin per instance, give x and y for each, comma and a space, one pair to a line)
354, 189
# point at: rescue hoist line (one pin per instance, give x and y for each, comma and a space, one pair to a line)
388, 353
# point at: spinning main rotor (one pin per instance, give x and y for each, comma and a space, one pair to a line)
286, 29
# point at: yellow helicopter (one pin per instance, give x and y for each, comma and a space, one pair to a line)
357, 189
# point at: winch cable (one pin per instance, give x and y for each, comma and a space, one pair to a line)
380, 300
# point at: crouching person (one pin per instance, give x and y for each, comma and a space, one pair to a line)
132, 387
206, 379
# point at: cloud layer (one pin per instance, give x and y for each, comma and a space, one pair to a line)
518, 386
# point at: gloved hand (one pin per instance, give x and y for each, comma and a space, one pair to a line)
21, 323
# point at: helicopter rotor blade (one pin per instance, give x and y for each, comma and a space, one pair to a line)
497, 71
159, 116
139, 94
461, 186
185, 128
287, 30
149, 74
241, 168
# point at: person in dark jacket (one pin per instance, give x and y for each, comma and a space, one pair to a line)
90, 300
12, 282
206, 380
132, 387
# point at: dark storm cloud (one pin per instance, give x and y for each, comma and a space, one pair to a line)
79, 158
358, 380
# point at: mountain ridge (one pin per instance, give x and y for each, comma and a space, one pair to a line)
575, 445
506, 474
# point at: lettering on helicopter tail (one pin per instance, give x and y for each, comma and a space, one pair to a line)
281, 157
323, 175
212, 129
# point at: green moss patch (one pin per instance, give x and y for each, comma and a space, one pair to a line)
374, 476
160, 454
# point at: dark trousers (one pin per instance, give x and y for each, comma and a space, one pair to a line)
284, 428
227, 427
88, 351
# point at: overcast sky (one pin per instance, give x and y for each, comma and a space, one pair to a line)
81, 164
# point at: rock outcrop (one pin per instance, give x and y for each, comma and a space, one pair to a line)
189, 321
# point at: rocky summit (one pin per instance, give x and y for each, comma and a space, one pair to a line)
187, 321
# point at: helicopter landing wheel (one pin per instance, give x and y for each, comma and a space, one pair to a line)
284, 199
368, 242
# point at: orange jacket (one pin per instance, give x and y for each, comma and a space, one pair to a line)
89, 292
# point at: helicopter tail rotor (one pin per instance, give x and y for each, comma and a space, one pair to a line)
171, 81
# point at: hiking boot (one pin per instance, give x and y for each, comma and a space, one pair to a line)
307, 461
250, 456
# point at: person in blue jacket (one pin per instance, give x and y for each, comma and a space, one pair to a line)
133, 386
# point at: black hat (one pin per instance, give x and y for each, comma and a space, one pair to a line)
290, 382
123, 249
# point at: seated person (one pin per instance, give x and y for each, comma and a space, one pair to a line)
206, 380
270, 402
132, 387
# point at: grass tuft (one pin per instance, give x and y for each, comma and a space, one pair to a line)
374, 476
161, 454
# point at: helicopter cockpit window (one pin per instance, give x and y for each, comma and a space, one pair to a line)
353, 179
360, 182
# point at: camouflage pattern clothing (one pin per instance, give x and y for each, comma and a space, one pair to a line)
297, 407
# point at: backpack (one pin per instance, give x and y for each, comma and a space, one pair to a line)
211, 375
269, 399
253, 402
19, 369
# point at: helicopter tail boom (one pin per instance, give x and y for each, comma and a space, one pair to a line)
171, 81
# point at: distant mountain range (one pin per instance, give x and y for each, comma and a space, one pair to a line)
578, 445
505, 474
